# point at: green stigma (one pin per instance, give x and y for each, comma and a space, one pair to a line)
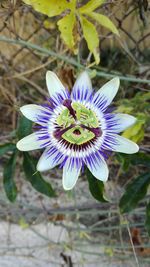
77, 134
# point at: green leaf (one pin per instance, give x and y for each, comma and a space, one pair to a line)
135, 191
140, 158
126, 164
34, 177
90, 6
66, 27
24, 127
8, 178
96, 187
147, 221
104, 21
50, 8
6, 148
91, 37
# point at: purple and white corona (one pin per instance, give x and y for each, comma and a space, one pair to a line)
77, 129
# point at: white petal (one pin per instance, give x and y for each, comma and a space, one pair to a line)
54, 85
32, 112
70, 174
99, 169
83, 82
29, 142
124, 145
107, 92
47, 162
122, 122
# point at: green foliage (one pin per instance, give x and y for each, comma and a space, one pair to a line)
138, 188
24, 127
68, 24
135, 192
140, 158
6, 148
34, 177
29, 165
139, 103
136, 132
96, 187
8, 178
126, 161
138, 106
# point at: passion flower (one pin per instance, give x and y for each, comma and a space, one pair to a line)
77, 129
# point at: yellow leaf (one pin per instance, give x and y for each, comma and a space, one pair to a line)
135, 132
90, 6
66, 26
104, 21
72, 4
91, 37
49, 24
49, 7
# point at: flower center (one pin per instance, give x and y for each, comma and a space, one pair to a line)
78, 123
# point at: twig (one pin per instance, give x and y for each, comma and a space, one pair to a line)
69, 60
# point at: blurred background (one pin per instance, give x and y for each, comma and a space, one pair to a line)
40, 224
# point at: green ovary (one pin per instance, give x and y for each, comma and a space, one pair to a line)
77, 134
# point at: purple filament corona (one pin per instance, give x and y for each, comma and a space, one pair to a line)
58, 131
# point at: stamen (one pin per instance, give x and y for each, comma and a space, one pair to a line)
97, 131
59, 132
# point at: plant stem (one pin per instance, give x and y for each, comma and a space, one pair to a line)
69, 60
